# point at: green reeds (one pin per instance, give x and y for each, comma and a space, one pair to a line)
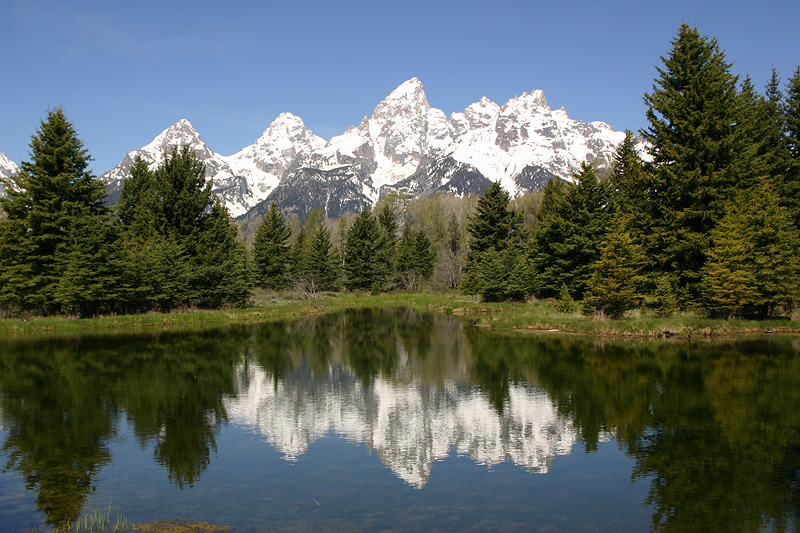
96, 521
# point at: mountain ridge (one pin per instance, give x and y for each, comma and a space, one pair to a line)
405, 145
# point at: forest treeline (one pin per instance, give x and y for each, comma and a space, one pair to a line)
708, 219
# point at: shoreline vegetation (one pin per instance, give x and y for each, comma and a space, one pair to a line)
539, 316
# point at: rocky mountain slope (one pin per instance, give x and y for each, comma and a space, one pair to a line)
405, 145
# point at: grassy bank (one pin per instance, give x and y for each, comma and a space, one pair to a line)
539, 316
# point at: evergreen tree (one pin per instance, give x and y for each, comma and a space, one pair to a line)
496, 266
789, 188
617, 281
425, 255
572, 226
758, 135
630, 181
493, 225
775, 141
321, 270
183, 196
91, 267
157, 273
729, 282
361, 263
565, 303
271, 250
298, 256
631, 189
171, 211
48, 204
137, 200
691, 112
500, 275
415, 258
220, 268
387, 246
753, 265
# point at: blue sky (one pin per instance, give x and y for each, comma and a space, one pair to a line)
125, 71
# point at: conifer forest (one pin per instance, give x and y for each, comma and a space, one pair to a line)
707, 219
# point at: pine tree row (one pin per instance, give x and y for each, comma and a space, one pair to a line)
167, 244
371, 257
711, 220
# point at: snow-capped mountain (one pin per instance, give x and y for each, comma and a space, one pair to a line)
282, 145
229, 184
7, 169
405, 145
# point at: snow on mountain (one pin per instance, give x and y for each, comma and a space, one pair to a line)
228, 184
280, 146
405, 145
444, 175
7, 169
501, 142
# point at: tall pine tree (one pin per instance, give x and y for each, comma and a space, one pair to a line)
322, 273
572, 226
192, 255
387, 246
271, 250
362, 264
496, 266
415, 258
50, 203
691, 113
789, 188
754, 264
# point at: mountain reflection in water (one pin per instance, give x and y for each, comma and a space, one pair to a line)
410, 424
710, 431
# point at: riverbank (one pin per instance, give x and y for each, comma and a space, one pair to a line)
538, 316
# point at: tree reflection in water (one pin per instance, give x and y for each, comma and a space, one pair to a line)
713, 427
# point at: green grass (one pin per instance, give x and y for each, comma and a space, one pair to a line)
96, 521
539, 316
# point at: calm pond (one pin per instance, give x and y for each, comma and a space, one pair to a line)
394, 419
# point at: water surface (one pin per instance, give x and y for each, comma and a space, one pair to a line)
393, 419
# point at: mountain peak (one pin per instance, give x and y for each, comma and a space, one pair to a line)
287, 117
408, 94
522, 143
183, 126
7, 169
286, 126
412, 85
182, 133
531, 100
